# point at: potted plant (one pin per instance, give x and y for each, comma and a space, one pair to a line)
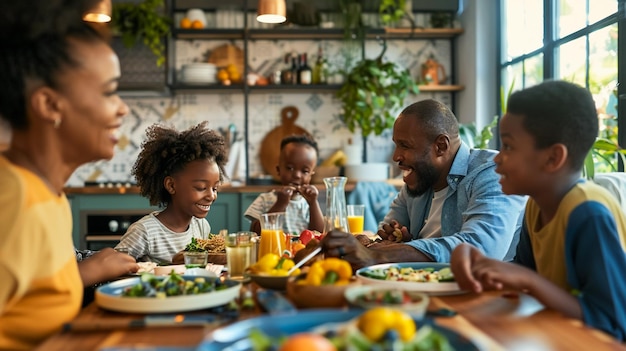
142, 22
372, 92
393, 11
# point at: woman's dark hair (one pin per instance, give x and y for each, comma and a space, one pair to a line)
35, 46
167, 151
558, 112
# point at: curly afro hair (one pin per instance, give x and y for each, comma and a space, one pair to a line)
167, 151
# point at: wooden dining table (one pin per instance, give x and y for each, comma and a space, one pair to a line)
493, 320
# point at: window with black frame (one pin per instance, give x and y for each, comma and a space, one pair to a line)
573, 40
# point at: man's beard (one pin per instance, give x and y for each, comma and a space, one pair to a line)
426, 176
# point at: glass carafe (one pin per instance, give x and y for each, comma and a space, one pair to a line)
272, 235
336, 213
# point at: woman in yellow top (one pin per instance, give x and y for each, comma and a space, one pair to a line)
58, 95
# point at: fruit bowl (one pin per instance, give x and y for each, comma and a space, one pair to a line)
272, 282
322, 296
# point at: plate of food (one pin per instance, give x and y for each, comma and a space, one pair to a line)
332, 329
428, 277
149, 293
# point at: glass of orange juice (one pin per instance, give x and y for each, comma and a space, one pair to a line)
272, 235
356, 217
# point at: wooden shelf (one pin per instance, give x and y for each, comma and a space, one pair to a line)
314, 33
324, 88
181, 87
208, 33
440, 88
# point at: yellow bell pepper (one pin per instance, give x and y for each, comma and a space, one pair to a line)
329, 271
267, 263
374, 323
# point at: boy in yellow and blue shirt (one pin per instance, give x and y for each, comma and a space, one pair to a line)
570, 255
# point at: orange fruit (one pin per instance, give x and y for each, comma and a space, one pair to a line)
296, 246
222, 75
196, 24
185, 23
307, 342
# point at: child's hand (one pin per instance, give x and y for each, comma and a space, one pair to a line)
284, 194
309, 192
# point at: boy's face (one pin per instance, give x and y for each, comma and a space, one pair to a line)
519, 162
296, 165
195, 188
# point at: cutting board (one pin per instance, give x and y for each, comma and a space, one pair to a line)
270, 146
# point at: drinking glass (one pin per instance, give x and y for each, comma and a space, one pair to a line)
238, 252
195, 259
356, 217
272, 235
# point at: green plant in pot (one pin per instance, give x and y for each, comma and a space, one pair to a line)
372, 92
143, 22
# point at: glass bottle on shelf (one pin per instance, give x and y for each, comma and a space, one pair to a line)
294, 69
336, 211
286, 73
320, 70
304, 71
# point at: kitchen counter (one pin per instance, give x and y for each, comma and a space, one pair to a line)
226, 188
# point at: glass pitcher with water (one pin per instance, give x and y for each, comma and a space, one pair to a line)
336, 213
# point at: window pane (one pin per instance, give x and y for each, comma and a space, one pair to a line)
533, 70
513, 74
572, 16
603, 68
599, 9
570, 60
522, 21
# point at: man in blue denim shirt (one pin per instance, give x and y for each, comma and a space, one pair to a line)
451, 195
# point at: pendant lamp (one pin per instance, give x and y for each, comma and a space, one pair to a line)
101, 13
272, 11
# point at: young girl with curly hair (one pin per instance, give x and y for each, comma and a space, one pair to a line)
180, 171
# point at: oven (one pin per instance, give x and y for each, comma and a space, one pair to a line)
104, 228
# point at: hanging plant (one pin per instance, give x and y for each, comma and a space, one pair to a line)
372, 91
143, 22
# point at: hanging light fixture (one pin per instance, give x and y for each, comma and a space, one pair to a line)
101, 13
272, 11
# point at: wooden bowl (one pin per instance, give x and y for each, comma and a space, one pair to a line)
323, 296
271, 282
217, 258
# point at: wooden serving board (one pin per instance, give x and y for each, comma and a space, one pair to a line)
270, 146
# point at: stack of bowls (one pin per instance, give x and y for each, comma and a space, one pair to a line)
199, 73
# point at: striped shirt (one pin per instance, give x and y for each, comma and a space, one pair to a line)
296, 213
149, 240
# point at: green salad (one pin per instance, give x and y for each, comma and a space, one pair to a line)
172, 285
408, 274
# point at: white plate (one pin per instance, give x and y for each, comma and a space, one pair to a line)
109, 296
444, 288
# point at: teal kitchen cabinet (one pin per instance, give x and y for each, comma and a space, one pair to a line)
225, 213
98, 220
246, 200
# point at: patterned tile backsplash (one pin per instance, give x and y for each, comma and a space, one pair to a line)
317, 111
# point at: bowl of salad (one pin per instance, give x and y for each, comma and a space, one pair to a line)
371, 296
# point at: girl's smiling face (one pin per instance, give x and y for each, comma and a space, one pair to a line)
195, 188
